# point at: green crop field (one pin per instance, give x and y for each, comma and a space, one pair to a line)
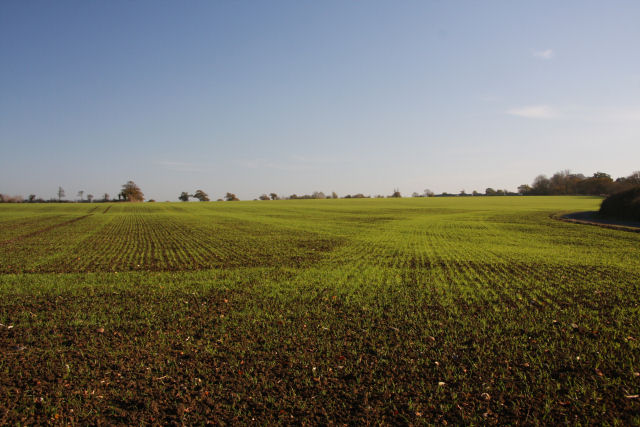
430, 310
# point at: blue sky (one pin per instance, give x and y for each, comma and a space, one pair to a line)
299, 96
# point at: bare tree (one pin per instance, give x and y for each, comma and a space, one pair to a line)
318, 195
4, 198
80, 194
396, 193
541, 185
90, 197
105, 197
60, 193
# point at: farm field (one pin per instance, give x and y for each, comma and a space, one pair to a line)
403, 311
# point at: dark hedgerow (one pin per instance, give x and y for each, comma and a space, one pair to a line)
623, 205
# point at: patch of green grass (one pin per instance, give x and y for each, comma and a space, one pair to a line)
464, 310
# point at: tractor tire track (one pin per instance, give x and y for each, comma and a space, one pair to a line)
44, 230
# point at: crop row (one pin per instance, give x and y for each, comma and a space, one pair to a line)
159, 241
460, 246
460, 311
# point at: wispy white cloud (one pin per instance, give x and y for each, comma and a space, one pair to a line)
535, 112
622, 114
291, 163
544, 54
179, 166
576, 112
261, 163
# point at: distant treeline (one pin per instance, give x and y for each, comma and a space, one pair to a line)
561, 183
130, 192
567, 183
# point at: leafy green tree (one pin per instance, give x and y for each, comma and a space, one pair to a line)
184, 196
230, 197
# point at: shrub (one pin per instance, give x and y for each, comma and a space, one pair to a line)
10, 199
623, 205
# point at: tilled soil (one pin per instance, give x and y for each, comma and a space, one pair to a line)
223, 357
